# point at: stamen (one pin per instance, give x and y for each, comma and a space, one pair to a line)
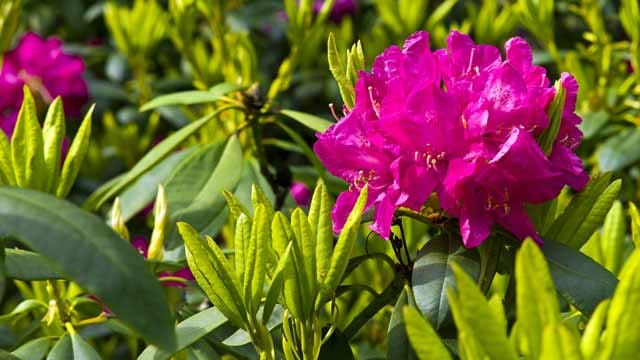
470, 66
374, 103
333, 112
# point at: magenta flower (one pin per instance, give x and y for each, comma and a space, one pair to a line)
142, 245
300, 193
49, 72
461, 122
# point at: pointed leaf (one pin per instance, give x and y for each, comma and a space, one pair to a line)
473, 314
75, 157
339, 73
27, 146
397, 330
585, 213
7, 176
311, 121
87, 251
191, 97
537, 306
33, 350
590, 342
559, 343
307, 243
82, 350
635, 224
29, 266
53, 132
277, 282
321, 226
241, 242
424, 339
612, 240
622, 336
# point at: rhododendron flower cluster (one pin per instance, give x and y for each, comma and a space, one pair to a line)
462, 122
49, 72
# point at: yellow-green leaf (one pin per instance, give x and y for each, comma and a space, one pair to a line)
6, 168
424, 339
307, 243
635, 224
27, 146
613, 237
590, 342
537, 305
75, 157
321, 226
53, 132
559, 343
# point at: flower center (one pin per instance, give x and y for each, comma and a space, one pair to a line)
492, 204
428, 156
362, 179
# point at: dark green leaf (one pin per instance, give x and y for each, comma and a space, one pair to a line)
30, 266
33, 350
432, 276
87, 251
397, 332
337, 347
581, 281
620, 151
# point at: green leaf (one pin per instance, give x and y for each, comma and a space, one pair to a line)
194, 193
212, 275
581, 281
75, 157
277, 282
612, 240
53, 132
255, 269
27, 146
281, 234
622, 336
440, 13
343, 248
585, 213
86, 250
6, 167
62, 350
339, 73
321, 226
620, 151
188, 332
635, 224
307, 244
33, 350
143, 190
29, 266
82, 350
337, 347
590, 342
432, 275
191, 97
556, 108
397, 331
240, 245
474, 316
559, 343
537, 306
311, 121
23, 308
152, 157
423, 337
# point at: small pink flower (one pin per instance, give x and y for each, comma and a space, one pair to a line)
49, 72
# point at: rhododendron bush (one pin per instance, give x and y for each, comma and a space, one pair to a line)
203, 179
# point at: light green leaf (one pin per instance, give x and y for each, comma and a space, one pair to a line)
339, 73
423, 337
556, 108
440, 13
311, 121
537, 306
82, 350
75, 157
281, 234
6, 167
321, 226
212, 276
191, 97
635, 224
256, 265
277, 282
473, 316
241, 243
307, 243
343, 248
622, 336
590, 342
53, 132
87, 251
236, 208
62, 350
559, 343
585, 213
33, 350
188, 332
258, 197
27, 146
612, 240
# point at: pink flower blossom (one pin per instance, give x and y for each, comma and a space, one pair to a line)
462, 122
49, 72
